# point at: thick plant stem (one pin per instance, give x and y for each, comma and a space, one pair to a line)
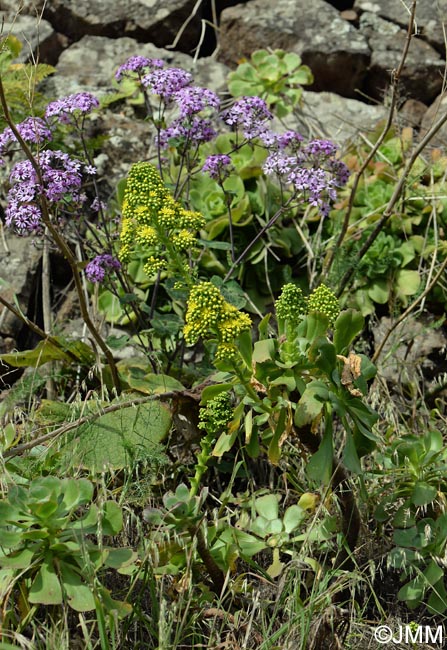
217, 576
341, 485
63, 246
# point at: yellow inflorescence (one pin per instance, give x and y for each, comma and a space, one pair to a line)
151, 218
209, 313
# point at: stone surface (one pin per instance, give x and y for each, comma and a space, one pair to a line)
40, 40
336, 52
409, 349
431, 16
432, 115
19, 262
78, 69
155, 21
422, 73
412, 113
327, 115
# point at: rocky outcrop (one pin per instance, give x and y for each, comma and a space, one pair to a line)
337, 53
422, 74
431, 17
37, 36
78, 68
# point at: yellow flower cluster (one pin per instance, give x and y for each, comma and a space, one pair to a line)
209, 313
153, 220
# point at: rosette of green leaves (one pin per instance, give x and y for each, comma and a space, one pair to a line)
275, 76
47, 543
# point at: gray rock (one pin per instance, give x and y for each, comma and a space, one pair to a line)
432, 115
431, 16
422, 74
150, 21
335, 51
19, 262
40, 41
406, 353
326, 115
78, 69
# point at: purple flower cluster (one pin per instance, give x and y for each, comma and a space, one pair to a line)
250, 114
61, 179
193, 99
194, 130
217, 166
312, 170
138, 64
96, 269
33, 129
166, 82
64, 108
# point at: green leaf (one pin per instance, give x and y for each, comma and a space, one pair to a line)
423, 493
274, 450
293, 517
407, 283
112, 518
160, 383
379, 291
311, 403
76, 492
267, 506
350, 455
117, 558
210, 392
347, 326
263, 327
79, 595
46, 588
437, 602
119, 439
264, 350
413, 591
18, 560
319, 468
314, 325
42, 353
245, 346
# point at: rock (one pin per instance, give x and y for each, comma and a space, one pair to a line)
414, 347
149, 21
412, 113
78, 69
422, 73
326, 115
40, 42
19, 263
431, 16
432, 115
336, 52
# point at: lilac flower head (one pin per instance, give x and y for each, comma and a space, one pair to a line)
60, 179
96, 269
250, 114
166, 82
193, 99
65, 107
33, 129
191, 131
312, 170
25, 218
217, 166
323, 148
138, 64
